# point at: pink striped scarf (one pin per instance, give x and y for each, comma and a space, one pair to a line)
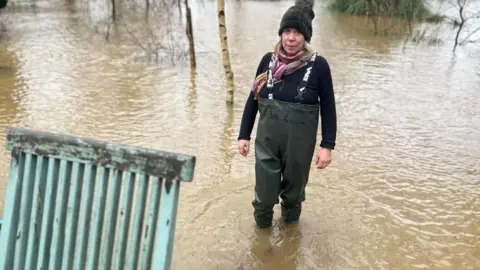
283, 65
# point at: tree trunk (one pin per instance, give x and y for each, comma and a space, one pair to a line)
114, 11
147, 7
410, 28
189, 31
226, 57
457, 36
462, 22
180, 6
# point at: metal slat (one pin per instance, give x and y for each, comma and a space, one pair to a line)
56, 248
12, 207
72, 214
151, 226
166, 224
124, 223
98, 213
25, 207
37, 212
136, 236
85, 212
47, 219
113, 198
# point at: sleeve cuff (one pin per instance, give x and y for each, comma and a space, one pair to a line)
329, 145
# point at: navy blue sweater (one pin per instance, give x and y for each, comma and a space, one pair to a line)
319, 85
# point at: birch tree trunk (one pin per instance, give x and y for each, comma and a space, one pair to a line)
189, 31
226, 56
180, 7
114, 10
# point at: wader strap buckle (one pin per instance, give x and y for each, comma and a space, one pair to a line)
303, 84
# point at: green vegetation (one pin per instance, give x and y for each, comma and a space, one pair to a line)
385, 14
435, 18
405, 9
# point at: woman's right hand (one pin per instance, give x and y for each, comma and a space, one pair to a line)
243, 147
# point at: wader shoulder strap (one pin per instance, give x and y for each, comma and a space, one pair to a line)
270, 76
270, 72
303, 83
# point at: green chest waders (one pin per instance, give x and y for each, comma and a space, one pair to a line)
284, 147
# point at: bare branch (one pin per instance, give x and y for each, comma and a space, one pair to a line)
466, 39
452, 5
134, 38
452, 20
476, 15
465, 15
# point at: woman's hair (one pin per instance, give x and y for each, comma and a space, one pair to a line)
306, 46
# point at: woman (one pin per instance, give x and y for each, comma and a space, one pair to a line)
293, 85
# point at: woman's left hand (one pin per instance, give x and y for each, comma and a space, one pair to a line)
323, 158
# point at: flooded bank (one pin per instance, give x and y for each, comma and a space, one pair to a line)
402, 191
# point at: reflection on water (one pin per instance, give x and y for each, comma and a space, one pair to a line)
402, 191
281, 252
10, 99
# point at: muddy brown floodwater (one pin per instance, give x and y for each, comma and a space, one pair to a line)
403, 191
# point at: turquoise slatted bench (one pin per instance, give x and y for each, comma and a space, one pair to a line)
79, 203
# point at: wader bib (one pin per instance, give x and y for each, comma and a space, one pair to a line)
284, 147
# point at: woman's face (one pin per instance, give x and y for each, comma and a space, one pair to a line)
292, 41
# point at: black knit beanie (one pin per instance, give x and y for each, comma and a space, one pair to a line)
300, 17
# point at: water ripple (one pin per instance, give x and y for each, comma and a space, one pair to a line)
402, 191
